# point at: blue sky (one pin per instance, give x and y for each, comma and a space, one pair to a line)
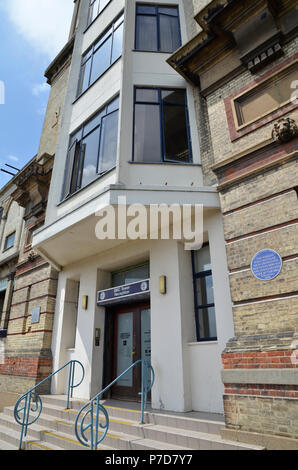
31, 34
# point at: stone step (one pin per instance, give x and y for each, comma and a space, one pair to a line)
119, 412
192, 439
181, 422
11, 437
66, 442
55, 430
151, 417
41, 445
59, 419
149, 444
5, 446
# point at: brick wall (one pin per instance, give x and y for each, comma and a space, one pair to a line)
258, 192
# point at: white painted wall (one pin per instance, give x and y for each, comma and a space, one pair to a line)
205, 357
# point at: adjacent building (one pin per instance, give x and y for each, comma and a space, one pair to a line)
243, 64
28, 282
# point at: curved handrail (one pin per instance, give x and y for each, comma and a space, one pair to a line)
22, 413
92, 409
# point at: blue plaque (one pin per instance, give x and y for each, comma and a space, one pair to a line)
266, 265
128, 291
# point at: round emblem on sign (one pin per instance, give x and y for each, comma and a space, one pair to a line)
144, 286
102, 296
266, 265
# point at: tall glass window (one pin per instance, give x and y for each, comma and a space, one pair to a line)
95, 8
157, 28
130, 275
103, 53
161, 130
203, 295
92, 149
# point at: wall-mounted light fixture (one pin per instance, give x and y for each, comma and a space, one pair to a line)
163, 285
85, 302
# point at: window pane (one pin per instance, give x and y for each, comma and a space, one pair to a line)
84, 77
207, 323
176, 137
202, 260
96, 121
69, 167
168, 11
147, 9
169, 33
108, 143
103, 4
147, 146
174, 96
117, 43
89, 157
119, 21
93, 11
147, 95
146, 33
101, 60
114, 105
9, 242
205, 293
75, 172
103, 38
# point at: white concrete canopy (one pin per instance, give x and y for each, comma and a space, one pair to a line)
72, 237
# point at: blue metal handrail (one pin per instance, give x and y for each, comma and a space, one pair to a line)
23, 419
93, 408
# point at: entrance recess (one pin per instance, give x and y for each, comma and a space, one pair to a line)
131, 342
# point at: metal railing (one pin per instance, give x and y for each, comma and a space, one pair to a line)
31, 402
91, 411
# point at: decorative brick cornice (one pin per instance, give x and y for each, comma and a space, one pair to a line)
253, 161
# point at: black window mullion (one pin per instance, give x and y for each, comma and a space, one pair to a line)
112, 42
162, 126
188, 128
100, 137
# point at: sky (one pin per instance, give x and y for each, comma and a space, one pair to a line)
32, 32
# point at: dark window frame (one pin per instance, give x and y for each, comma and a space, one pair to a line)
92, 50
73, 176
157, 15
162, 126
197, 306
99, 12
5, 248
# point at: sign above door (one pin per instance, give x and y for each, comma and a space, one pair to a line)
135, 291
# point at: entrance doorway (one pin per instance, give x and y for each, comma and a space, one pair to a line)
130, 334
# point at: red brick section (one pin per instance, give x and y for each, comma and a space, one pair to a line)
255, 160
259, 360
234, 134
29, 367
264, 390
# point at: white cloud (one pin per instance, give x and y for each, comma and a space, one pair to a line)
43, 23
40, 88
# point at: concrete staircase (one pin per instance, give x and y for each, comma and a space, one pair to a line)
54, 430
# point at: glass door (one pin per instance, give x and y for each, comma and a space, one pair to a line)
132, 342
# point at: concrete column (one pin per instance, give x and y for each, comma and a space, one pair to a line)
103, 282
170, 326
